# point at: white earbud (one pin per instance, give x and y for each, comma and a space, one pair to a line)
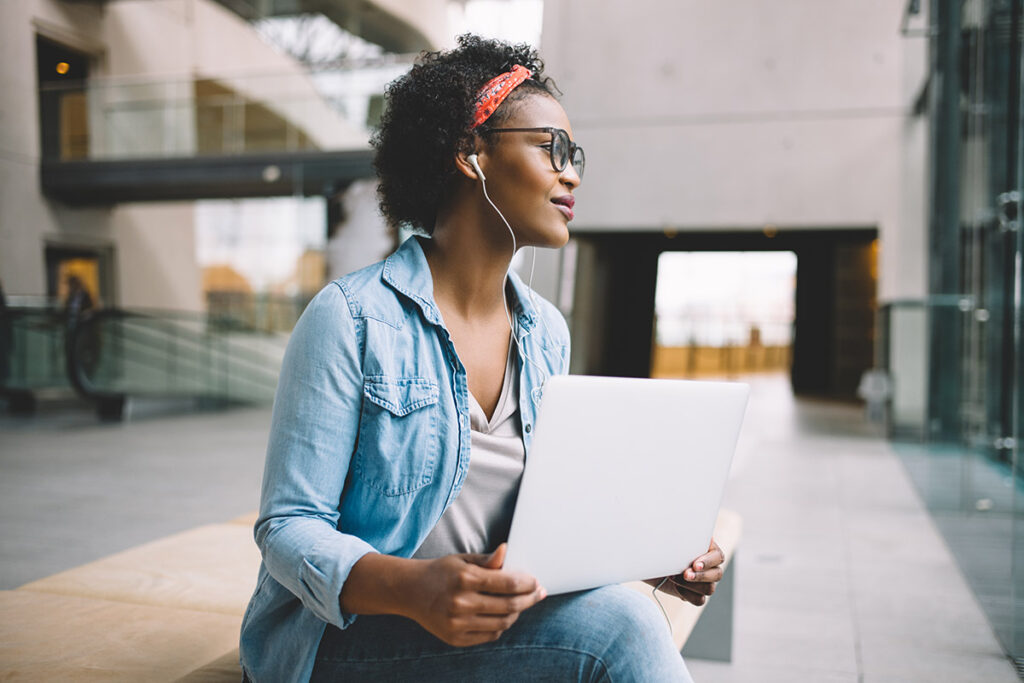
475, 163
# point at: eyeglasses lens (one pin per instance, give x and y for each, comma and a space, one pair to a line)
560, 150
579, 160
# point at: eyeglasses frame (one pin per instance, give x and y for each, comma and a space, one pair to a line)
551, 152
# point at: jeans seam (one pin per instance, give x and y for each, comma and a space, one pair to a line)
557, 648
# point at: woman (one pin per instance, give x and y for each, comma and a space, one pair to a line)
404, 412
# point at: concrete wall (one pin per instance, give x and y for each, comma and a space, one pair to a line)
27, 220
706, 116
129, 41
202, 39
429, 16
156, 256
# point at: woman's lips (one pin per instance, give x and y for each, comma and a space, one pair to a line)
565, 203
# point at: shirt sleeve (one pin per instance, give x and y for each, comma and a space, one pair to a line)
312, 437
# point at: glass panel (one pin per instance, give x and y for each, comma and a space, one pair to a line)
122, 118
964, 456
262, 259
33, 348
1011, 211
162, 353
989, 520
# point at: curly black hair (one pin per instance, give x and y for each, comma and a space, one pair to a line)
427, 117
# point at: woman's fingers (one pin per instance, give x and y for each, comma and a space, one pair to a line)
490, 561
498, 582
708, 575
507, 604
483, 618
713, 558
690, 596
696, 593
699, 588
475, 601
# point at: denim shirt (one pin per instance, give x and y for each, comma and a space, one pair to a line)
369, 444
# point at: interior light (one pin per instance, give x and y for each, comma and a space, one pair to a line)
62, 68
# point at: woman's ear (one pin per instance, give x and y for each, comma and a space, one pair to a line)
464, 163
469, 149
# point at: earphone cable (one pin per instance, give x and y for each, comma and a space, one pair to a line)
654, 594
504, 284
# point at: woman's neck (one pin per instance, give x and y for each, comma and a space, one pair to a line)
468, 259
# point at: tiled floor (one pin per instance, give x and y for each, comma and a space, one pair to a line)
73, 490
841, 573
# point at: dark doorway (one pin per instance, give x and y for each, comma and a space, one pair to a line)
63, 115
834, 326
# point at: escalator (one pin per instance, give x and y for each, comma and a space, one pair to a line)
110, 355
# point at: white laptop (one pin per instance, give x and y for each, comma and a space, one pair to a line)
624, 479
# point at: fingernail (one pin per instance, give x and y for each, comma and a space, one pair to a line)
543, 594
690, 576
698, 566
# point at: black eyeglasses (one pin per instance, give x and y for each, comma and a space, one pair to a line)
561, 148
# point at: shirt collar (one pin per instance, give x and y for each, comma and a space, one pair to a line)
407, 271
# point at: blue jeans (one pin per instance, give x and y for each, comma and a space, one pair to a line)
611, 634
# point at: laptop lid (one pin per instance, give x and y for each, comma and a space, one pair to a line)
624, 479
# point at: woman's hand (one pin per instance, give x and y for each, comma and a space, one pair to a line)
467, 599
698, 580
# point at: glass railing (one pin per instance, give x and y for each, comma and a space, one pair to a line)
300, 111
32, 350
108, 355
170, 354
260, 311
909, 329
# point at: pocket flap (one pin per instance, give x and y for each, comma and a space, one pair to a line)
400, 395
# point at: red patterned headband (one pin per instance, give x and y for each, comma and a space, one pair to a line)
495, 91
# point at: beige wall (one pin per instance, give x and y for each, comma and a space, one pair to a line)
200, 38
725, 116
27, 220
429, 16
156, 40
156, 256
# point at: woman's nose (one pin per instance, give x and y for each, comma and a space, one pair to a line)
570, 177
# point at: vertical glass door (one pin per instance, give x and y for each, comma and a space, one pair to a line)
991, 502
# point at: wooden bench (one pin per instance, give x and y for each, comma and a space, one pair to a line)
170, 610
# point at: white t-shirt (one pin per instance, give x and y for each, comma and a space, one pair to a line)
479, 519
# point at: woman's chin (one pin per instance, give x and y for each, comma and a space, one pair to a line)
556, 238
549, 237
562, 238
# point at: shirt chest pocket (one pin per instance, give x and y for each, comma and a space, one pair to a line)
398, 434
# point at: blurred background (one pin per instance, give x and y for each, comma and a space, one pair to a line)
822, 199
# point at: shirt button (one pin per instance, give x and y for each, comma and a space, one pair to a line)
527, 428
